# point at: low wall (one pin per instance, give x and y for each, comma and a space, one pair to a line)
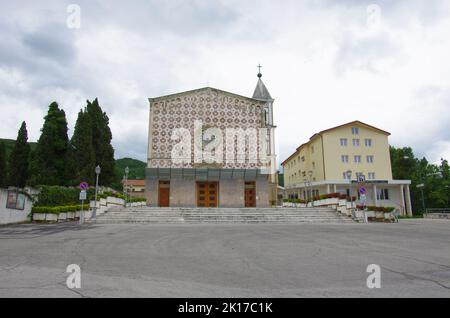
436, 216
16, 215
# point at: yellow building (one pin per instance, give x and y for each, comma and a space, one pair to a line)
322, 166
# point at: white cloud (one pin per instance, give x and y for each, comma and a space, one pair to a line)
321, 63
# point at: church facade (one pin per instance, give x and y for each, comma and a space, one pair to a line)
211, 148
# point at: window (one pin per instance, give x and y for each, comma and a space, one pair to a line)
344, 159
368, 142
369, 159
356, 142
314, 165
371, 175
303, 158
15, 200
383, 194
304, 173
358, 174
355, 131
312, 149
344, 174
344, 142
357, 159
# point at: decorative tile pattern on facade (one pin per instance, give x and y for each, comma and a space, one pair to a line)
214, 108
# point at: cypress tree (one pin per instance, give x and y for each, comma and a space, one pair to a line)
51, 149
101, 141
81, 154
19, 159
2, 165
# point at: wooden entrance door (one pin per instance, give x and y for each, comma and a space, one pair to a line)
207, 194
250, 195
164, 194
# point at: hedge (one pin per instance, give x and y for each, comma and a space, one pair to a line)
137, 200
58, 209
385, 209
56, 196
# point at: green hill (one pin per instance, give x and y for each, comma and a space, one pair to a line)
9, 144
137, 168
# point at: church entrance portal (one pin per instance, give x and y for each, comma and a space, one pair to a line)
207, 194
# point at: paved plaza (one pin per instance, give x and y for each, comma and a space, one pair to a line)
305, 260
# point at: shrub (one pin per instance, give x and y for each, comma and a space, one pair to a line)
58, 209
137, 200
60, 196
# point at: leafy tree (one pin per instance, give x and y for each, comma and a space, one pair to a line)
436, 179
101, 141
19, 159
51, 151
81, 151
2, 165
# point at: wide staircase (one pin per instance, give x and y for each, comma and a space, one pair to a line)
221, 215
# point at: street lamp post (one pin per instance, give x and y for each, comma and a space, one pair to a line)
97, 172
349, 177
127, 170
421, 186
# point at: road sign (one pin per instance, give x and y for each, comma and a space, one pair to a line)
83, 195
362, 191
362, 198
84, 185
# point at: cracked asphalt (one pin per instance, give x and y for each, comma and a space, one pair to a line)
306, 260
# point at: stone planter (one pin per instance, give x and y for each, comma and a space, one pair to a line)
77, 214
370, 214
62, 216
114, 201
51, 217
359, 214
38, 216
379, 215
333, 201
70, 215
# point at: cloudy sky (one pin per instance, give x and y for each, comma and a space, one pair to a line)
325, 62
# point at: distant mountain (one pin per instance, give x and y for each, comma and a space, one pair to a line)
137, 168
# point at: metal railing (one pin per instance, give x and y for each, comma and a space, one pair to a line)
438, 210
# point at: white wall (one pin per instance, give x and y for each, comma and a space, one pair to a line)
8, 216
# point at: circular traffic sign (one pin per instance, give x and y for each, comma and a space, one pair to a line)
362, 190
84, 185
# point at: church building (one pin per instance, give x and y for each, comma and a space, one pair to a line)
211, 148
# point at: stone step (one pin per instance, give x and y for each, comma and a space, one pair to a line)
221, 215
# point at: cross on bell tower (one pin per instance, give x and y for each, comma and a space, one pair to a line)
259, 70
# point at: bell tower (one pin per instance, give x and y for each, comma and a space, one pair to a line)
262, 93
